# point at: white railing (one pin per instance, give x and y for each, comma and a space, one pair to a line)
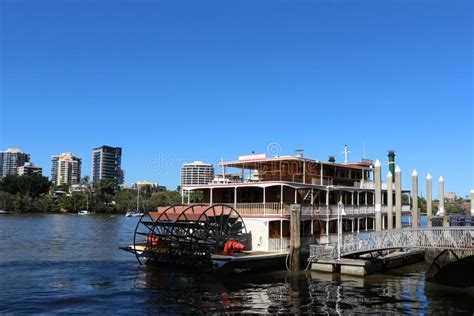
278, 209
353, 210
278, 244
262, 209
405, 209
456, 238
283, 244
368, 184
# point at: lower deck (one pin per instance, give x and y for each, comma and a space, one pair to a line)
273, 234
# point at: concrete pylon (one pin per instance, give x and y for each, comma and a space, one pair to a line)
414, 196
389, 200
398, 197
441, 197
378, 195
472, 202
429, 198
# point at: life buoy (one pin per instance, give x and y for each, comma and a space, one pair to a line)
233, 246
152, 239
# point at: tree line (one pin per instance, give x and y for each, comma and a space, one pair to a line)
38, 194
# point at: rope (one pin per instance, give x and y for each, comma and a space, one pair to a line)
286, 261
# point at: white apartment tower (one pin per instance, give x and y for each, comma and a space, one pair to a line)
66, 169
196, 172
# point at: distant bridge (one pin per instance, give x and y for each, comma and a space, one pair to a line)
440, 238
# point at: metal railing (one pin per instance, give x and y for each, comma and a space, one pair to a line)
456, 238
283, 244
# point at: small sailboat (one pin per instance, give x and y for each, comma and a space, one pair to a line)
137, 212
4, 211
87, 210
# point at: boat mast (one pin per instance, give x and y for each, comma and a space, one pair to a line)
138, 197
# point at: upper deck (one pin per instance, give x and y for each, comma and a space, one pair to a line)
296, 170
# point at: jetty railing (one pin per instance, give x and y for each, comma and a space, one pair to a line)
455, 238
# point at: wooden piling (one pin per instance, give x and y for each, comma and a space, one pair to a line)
429, 198
414, 196
378, 195
389, 200
398, 197
472, 202
441, 197
295, 239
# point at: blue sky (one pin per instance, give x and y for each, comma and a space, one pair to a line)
176, 81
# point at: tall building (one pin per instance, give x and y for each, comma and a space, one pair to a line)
10, 160
107, 164
54, 169
29, 169
65, 169
451, 196
196, 172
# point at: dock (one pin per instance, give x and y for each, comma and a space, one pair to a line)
368, 265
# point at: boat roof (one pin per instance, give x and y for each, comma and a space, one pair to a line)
252, 161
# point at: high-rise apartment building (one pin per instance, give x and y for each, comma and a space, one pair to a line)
54, 169
10, 160
66, 169
196, 172
29, 169
107, 164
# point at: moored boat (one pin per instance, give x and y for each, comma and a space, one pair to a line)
134, 213
251, 204
85, 212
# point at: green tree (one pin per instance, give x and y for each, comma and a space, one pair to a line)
32, 186
45, 203
74, 202
62, 187
165, 198
125, 200
5, 200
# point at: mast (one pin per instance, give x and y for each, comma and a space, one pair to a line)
138, 197
346, 153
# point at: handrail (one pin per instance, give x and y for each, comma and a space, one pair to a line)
455, 238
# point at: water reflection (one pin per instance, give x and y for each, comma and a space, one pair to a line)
71, 264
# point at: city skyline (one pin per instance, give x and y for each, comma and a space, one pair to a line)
177, 84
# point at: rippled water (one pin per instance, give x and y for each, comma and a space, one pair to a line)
66, 263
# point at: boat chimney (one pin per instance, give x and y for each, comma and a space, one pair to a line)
332, 158
299, 152
391, 162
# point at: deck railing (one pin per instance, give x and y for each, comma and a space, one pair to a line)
455, 238
260, 209
351, 210
283, 244
278, 209
278, 244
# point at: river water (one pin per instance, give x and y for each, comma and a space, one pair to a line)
72, 264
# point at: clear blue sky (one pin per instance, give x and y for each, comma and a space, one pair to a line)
176, 81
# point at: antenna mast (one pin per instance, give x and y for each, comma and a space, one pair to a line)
346, 153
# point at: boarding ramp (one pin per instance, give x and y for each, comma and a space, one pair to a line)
442, 238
